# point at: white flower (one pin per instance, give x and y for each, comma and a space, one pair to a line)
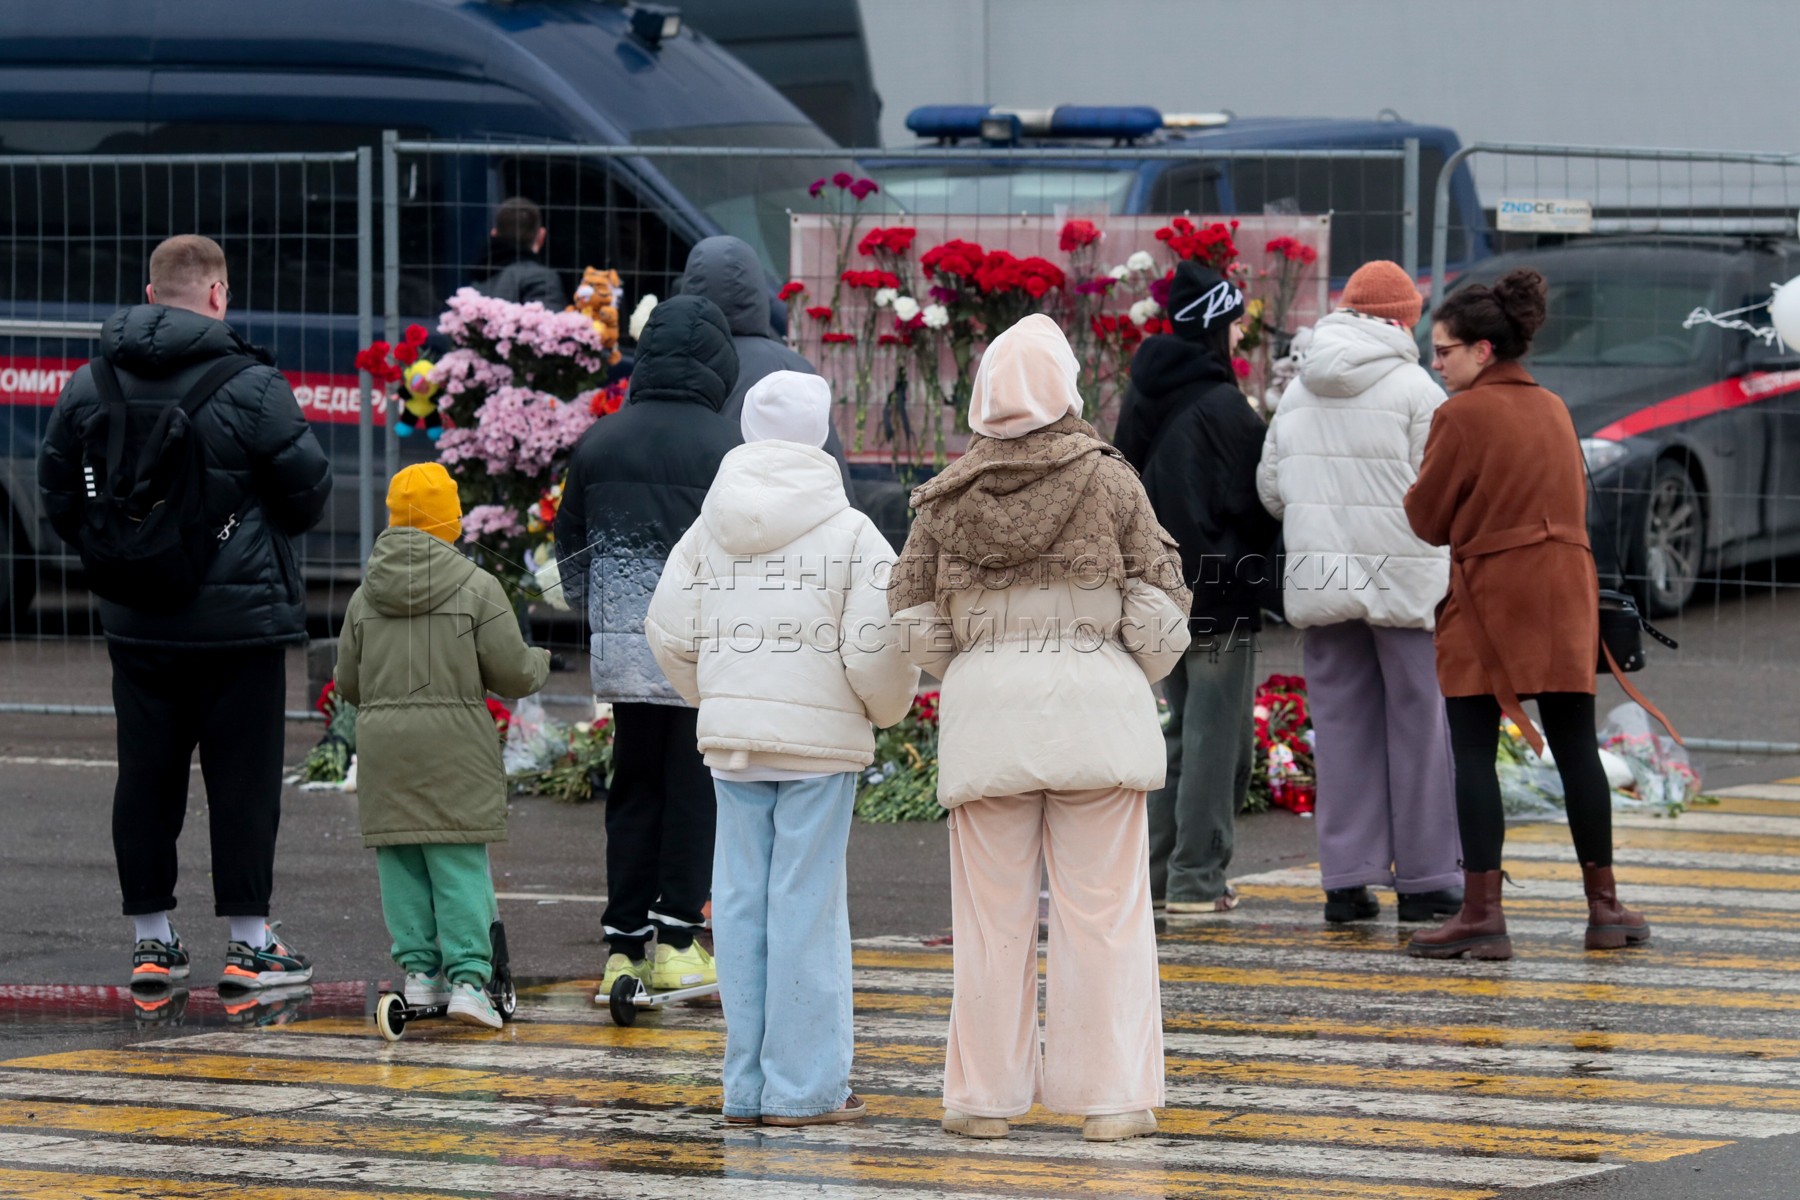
906, 308
1119, 272
640, 316
885, 296
1140, 262
1145, 309
936, 316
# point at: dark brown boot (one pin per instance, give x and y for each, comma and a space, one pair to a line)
1478, 931
1611, 926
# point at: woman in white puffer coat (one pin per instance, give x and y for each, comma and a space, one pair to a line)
771, 617
1345, 444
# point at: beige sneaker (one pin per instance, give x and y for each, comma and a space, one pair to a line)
975, 1127
1116, 1127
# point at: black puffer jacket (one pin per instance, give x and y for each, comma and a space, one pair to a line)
636, 481
1196, 441
257, 444
726, 271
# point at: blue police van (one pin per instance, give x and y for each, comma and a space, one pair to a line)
191, 77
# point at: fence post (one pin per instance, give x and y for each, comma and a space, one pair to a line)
1440, 221
365, 333
1409, 220
390, 273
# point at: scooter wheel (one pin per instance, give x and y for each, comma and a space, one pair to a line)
506, 999
390, 1016
620, 1000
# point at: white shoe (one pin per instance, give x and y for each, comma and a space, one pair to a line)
470, 1005
422, 989
973, 1127
1116, 1127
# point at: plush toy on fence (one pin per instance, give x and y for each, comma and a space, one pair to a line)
419, 409
598, 300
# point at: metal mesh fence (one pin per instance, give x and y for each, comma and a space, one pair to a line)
1661, 265
76, 233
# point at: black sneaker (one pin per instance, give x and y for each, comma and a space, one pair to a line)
157, 964
1431, 906
1343, 905
273, 965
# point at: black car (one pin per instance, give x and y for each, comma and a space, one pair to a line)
1687, 404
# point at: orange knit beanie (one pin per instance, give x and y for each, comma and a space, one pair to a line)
424, 497
1384, 289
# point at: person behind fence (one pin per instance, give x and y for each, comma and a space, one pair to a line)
1344, 445
772, 618
1038, 586
424, 640
1504, 486
635, 484
209, 432
726, 271
1194, 439
515, 268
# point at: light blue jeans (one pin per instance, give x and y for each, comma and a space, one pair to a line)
781, 925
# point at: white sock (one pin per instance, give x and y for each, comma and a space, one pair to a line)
153, 927
253, 931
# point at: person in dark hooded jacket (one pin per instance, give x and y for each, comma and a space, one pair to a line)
635, 484
211, 673
1196, 441
726, 271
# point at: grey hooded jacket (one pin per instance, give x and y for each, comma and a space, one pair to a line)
726, 271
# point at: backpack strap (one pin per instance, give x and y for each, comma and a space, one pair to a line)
106, 381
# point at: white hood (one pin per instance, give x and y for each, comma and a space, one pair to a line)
1350, 354
767, 494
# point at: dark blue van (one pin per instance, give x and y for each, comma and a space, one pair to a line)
185, 77
1137, 160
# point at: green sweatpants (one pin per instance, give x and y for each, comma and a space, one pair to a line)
438, 901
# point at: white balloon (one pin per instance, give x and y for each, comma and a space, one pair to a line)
1784, 312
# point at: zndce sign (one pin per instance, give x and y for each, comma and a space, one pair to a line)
1545, 216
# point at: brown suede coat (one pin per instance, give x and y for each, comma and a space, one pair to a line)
1504, 487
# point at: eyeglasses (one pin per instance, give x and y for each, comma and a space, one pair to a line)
226, 286
1444, 351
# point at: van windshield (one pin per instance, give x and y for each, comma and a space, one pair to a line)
988, 190
750, 197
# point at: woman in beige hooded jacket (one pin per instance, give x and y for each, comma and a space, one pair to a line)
1039, 587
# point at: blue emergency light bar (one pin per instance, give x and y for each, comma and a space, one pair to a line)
992, 123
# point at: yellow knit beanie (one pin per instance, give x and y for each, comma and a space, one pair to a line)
424, 497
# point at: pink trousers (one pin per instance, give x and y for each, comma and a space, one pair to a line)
1102, 1031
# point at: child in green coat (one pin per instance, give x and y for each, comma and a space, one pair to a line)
427, 636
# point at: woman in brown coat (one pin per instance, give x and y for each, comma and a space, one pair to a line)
1503, 485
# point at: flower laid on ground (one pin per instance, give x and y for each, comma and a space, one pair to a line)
580, 772
1283, 773
901, 784
329, 761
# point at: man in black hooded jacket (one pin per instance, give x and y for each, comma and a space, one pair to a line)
212, 673
636, 482
1196, 441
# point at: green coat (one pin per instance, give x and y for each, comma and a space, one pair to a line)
427, 636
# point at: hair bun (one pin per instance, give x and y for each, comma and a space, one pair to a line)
1523, 299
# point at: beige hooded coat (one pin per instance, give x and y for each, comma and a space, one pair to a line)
1038, 586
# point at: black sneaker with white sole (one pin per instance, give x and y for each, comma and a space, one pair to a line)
275, 964
157, 964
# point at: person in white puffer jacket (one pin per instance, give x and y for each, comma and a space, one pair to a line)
772, 618
1345, 444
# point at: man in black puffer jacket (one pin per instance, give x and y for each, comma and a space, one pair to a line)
213, 673
1196, 441
635, 483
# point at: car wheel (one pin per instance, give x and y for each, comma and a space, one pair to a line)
1674, 540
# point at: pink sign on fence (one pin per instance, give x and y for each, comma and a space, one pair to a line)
896, 310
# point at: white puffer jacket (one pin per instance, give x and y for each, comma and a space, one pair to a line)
771, 617
1345, 444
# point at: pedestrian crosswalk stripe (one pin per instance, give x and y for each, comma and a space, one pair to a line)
1302, 1062
1235, 1124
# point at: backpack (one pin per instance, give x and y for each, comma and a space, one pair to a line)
149, 531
